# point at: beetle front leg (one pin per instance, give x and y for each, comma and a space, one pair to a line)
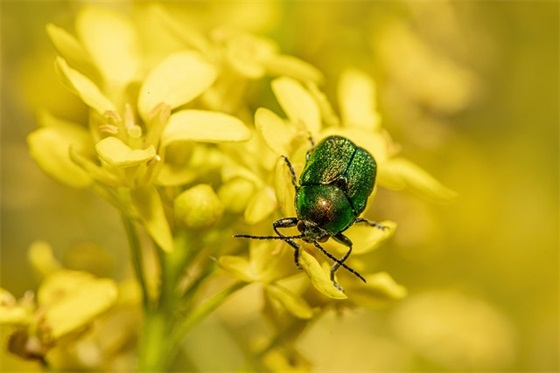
371, 223
346, 242
288, 223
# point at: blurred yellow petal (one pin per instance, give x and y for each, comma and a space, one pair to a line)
83, 87
175, 81
116, 153
271, 260
320, 277
204, 126
283, 188
398, 173
379, 289
237, 267
236, 193
365, 238
276, 132
296, 305
357, 100
246, 52
260, 206
80, 307
148, 204
285, 65
50, 149
298, 104
110, 39
330, 118
59, 284
12, 312
41, 258
72, 51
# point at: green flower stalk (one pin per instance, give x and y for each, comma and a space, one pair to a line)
172, 143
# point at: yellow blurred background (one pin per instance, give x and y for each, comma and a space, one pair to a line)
470, 92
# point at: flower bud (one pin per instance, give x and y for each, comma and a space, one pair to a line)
198, 207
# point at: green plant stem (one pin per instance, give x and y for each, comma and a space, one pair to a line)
137, 258
201, 311
154, 345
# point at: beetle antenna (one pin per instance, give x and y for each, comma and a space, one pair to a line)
330, 256
292, 172
283, 238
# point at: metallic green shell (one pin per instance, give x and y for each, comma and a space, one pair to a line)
326, 206
339, 163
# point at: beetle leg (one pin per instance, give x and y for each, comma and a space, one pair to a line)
292, 172
288, 223
371, 223
310, 138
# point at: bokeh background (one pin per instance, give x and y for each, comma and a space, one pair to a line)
470, 92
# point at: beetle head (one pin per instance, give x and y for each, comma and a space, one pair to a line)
312, 232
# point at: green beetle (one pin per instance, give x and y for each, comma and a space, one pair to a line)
333, 190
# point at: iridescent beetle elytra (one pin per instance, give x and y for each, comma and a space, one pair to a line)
333, 191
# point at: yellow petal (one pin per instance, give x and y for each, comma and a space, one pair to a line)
284, 189
236, 193
320, 277
237, 267
50, 149
72, 51
246, 52
276, 132
41, 258
271, 260
80, 307
59, 284
12, 312
148, 204
110, 39
357, 100
296, 305
175, 81
260, 206
398, 173
204, 126
380, 288
364, 238
286, 65
298, 104
83, 87
118, 154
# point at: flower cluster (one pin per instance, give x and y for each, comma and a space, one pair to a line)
171, 141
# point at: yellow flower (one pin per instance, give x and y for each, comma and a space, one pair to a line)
268, 266
130, 135
71, 322
67, 302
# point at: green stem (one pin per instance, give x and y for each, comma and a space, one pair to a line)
201, 311
154, 347
137, 258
